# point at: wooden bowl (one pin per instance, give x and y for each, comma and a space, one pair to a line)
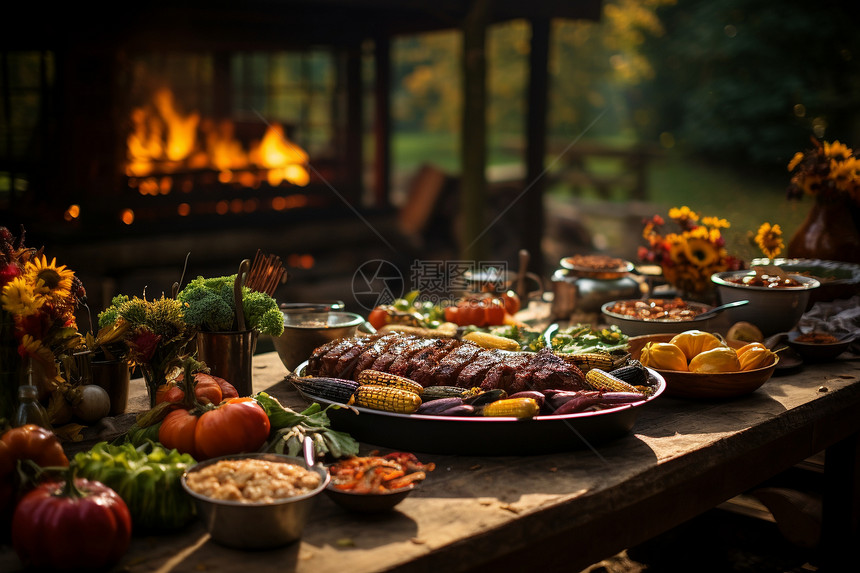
368, 502
705, 385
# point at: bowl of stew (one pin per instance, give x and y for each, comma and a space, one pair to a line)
306, 330
776, 301
637, 317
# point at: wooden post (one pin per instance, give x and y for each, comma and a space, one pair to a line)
382, 120
353, 149
473, 191
536, 134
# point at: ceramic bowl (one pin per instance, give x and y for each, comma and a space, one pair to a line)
256, 525
818, 352
305, 331
368, 502
632, 326
772, 310
705, 385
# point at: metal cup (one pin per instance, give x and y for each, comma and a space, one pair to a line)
229, 355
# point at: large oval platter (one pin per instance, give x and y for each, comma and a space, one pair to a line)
486, 436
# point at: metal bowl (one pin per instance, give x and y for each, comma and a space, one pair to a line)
632, 326
773, 310
305, 331
256, 525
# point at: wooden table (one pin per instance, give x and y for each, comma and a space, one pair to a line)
567, 510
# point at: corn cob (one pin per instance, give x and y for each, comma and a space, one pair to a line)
489, 340
634, 373
377, 378
333, 389
387, 398
588, 360
513, 407
602, 380
438, 392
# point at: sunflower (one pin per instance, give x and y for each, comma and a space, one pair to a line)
701, 252
48, 279
769, 240
19, 298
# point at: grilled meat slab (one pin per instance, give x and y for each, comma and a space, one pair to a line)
445, 362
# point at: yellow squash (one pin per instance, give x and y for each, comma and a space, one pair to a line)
721, 359
755, 355
693, 342
663, 356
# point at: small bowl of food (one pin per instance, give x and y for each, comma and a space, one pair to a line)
255, 501
375, 484
776, 300
818, 346
305, 330
638, 317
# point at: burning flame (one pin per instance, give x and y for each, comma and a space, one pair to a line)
163, 141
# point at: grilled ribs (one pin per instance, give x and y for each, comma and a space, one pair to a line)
445, 362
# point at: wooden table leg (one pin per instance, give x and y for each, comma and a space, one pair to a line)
841, 511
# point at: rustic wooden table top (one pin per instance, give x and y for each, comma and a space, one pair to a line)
556, 511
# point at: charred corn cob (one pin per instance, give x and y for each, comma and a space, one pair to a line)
514, 407
439, 392
387, 398
377, 378
602, 380
489, 340
333, 389
588, 360
633, 373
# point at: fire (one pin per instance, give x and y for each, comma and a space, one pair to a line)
164, 140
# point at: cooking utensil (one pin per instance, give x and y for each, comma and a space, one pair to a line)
718, 309
266, 273
521, 275
237, 294
308, 451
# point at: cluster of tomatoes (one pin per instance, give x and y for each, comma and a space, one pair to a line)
483, 310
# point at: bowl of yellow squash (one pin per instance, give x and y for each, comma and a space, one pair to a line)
694, 366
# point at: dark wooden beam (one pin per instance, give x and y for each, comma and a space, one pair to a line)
352, 153
473, 181
382, 120
536, 132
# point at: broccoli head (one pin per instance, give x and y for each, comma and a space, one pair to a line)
209, 306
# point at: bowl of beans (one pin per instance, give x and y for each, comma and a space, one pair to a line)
637, 317
255, 501
818, 346
777, 300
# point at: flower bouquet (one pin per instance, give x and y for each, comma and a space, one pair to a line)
38, 328
154, 332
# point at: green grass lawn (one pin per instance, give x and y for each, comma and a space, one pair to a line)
746, 199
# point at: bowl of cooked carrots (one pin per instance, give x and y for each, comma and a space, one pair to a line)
374, 483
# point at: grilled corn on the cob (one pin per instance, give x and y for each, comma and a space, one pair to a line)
489, 340
334, 389
514, 407
387, 398
588, 360
377, 378
602, 380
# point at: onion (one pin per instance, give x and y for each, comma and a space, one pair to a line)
93, 405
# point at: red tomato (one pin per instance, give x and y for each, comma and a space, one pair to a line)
472, 312
452, 314
377, 318
237, 425
494, 312
27, 442
207, 388
86, 527
511, 302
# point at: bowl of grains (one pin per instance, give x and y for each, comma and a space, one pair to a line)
637, 317
255, 501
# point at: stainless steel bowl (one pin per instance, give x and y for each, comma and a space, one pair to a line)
304, 331
633, 326
256, 525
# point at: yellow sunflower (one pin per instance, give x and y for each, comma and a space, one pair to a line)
19, 298
769, 240
48, 279
683, 213
701, 252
